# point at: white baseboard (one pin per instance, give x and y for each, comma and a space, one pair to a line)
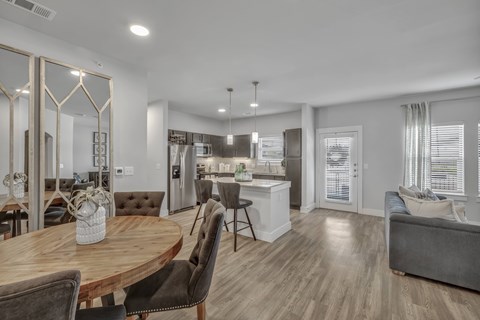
373, 212
307, 208
267, 236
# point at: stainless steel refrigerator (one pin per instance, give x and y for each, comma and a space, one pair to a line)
182, 171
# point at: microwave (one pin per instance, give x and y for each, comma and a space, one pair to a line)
203, 149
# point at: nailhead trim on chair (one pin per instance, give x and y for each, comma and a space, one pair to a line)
166, 309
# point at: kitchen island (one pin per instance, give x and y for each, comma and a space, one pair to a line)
270, 212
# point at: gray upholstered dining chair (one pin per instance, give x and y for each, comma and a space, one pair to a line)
203, 190
50, 297
182, 283
138, 203
61, 215
230, 198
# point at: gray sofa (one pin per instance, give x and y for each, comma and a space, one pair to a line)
432, 248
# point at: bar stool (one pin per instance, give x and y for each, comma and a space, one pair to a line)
203, 189
230, 198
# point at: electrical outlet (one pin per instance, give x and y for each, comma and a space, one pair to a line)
119, 171
129, 171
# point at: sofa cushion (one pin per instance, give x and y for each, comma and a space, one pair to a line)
443, 209
415, 192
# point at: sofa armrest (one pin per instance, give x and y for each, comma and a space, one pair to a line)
436, 249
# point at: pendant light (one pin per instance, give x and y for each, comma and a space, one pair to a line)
255, 105
230, 135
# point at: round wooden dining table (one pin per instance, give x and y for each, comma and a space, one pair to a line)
134, 248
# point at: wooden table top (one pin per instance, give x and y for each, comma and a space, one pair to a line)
12, 203
134, 248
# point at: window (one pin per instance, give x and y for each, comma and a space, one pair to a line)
270, 148
447, 159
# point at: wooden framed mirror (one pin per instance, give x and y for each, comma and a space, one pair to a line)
76, 131
16, 144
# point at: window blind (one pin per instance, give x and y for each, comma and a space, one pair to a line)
270, 148
337, 168
447, 152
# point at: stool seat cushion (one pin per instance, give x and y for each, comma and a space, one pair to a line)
243, 203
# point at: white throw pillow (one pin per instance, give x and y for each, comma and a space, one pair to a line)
443, 209
460, 210
410, 192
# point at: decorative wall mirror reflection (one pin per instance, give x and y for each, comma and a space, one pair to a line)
16, 145
76, 131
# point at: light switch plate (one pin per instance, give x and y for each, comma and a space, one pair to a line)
129, 171
119, 171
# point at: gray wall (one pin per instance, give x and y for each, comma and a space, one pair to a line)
383, 139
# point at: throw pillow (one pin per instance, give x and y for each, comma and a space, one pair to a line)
460, 210
442, 209
429, 195
410, 192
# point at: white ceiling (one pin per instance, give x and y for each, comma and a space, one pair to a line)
320, 52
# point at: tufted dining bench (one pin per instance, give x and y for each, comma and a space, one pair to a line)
138, 203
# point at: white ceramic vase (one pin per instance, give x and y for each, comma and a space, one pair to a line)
19, 190
91, 227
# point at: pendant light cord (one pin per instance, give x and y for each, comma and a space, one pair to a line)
255, 83
230, 118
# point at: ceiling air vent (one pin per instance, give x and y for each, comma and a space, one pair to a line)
33, 7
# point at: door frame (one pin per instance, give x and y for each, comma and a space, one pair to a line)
318, 175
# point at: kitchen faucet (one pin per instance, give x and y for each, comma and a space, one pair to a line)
269, 169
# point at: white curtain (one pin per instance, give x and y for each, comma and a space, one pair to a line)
417, 164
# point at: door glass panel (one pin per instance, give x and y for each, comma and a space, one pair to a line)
338, 178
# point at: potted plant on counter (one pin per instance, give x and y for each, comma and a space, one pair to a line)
87, 206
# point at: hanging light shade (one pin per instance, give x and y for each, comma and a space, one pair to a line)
230, 135
255, 105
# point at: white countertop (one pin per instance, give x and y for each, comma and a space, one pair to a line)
259, 184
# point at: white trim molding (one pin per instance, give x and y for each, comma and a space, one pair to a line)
308, 208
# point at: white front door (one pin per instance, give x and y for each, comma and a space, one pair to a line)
338, 170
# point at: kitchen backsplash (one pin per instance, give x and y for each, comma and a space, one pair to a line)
212, 164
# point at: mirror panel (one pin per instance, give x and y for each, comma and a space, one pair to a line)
76, 114
16, 144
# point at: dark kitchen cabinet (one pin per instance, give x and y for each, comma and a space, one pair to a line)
293, 143
180, 137
243, 147
217, 143
228, 150
200, 138
293, 164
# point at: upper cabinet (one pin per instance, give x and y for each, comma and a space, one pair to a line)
243, 146
217, 145
201, 138
293, 143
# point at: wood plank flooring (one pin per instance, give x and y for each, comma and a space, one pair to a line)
331, 265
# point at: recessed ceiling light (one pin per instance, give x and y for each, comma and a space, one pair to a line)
140, 31
222, 110
253, 105
77, 73
23, 91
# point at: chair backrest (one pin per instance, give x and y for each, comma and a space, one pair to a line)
140, 203
203, 189
80, 186
205, 251
67, 217
49, 297
229, 194
64, 184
